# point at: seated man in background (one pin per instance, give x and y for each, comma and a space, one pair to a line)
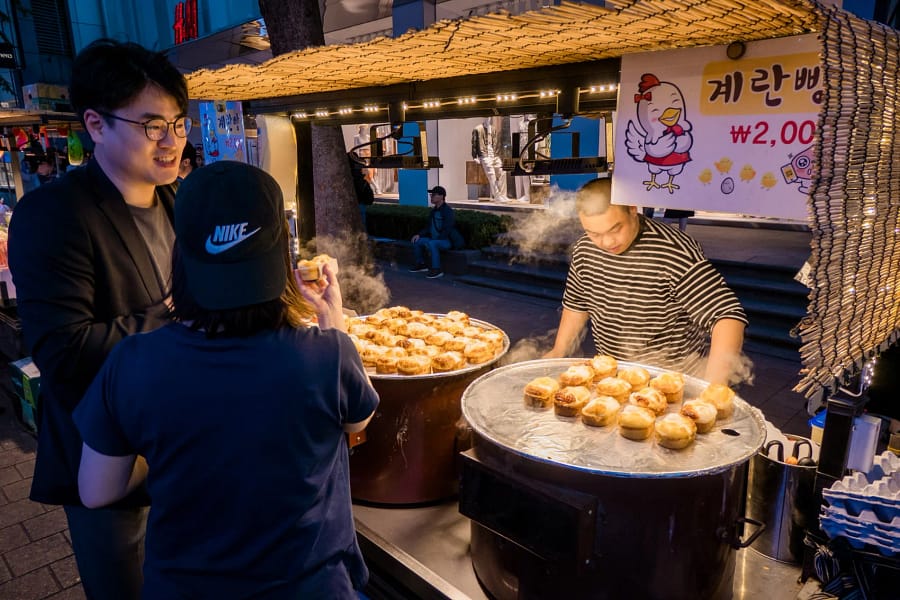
436, 236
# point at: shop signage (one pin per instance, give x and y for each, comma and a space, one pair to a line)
8, 57
697, 130
185, 24
222, 130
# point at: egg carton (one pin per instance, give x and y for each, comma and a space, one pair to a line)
877, 491
863, 530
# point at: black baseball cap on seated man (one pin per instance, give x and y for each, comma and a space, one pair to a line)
438, 190
229, 229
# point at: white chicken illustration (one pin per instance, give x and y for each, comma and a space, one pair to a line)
661, 137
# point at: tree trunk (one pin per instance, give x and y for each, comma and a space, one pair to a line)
296, 25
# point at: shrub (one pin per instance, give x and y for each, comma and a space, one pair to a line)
401, 222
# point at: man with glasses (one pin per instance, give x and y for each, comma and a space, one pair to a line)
91, 257
651, 295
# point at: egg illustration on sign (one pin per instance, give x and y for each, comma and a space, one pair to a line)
800, 169
727, 185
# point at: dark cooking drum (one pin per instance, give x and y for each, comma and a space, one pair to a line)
411, 443
563, 510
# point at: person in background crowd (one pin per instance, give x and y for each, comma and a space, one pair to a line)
44, 168
649, 292
680, 215
239, 378
188, 161
4, 212
200, 158
91, 258
436, 236
365, 196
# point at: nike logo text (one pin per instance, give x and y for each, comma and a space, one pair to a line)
227, 236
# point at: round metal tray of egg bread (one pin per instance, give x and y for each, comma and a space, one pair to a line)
494, 407
464, 370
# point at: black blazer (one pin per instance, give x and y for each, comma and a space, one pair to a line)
84, 280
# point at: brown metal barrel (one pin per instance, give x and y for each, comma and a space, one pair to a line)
412, 441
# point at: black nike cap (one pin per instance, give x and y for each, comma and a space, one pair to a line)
230, 233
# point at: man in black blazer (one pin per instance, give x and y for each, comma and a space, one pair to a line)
91, 257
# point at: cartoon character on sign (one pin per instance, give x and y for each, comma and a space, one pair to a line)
800, 169
661, 137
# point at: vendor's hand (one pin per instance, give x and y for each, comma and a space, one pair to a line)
324, 296
415, 238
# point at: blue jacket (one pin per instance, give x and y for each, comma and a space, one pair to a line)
440, 223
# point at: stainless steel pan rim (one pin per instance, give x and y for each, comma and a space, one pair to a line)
493, 406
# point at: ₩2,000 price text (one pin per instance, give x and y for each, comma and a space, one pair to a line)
761, 133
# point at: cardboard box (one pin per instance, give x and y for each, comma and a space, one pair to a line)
26, 379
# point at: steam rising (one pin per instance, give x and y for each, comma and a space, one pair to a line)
741, 371
363, 290
535, 347
546, 230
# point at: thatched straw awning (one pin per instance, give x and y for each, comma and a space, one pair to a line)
569, 33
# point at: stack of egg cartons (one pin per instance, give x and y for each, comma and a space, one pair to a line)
865, 507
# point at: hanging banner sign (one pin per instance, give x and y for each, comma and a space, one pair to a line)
222, 130
697, 130
8, 57
185, 24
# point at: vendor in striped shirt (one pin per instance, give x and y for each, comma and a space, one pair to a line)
650, 293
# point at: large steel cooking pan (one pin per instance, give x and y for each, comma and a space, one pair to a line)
560, 509
409, 456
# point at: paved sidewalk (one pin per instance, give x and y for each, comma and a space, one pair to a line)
36, 559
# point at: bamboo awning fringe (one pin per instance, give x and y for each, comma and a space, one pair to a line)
854, 205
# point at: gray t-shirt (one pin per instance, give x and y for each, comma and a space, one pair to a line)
156, 229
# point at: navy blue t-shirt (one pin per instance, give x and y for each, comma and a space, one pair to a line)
248, 478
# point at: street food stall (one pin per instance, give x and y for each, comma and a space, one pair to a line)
848, 179
29, 138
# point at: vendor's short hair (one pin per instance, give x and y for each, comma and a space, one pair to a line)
595, 197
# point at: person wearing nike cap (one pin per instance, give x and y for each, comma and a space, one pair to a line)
90, 253
236, 413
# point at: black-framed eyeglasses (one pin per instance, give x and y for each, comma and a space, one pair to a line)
157, 129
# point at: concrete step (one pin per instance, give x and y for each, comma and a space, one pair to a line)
788, 312
522, 273
553, 292
764, 282
755, 270
768, 339
514, 255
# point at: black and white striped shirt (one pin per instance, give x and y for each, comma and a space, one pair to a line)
655, 303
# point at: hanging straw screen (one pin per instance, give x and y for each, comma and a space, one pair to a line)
854, 308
